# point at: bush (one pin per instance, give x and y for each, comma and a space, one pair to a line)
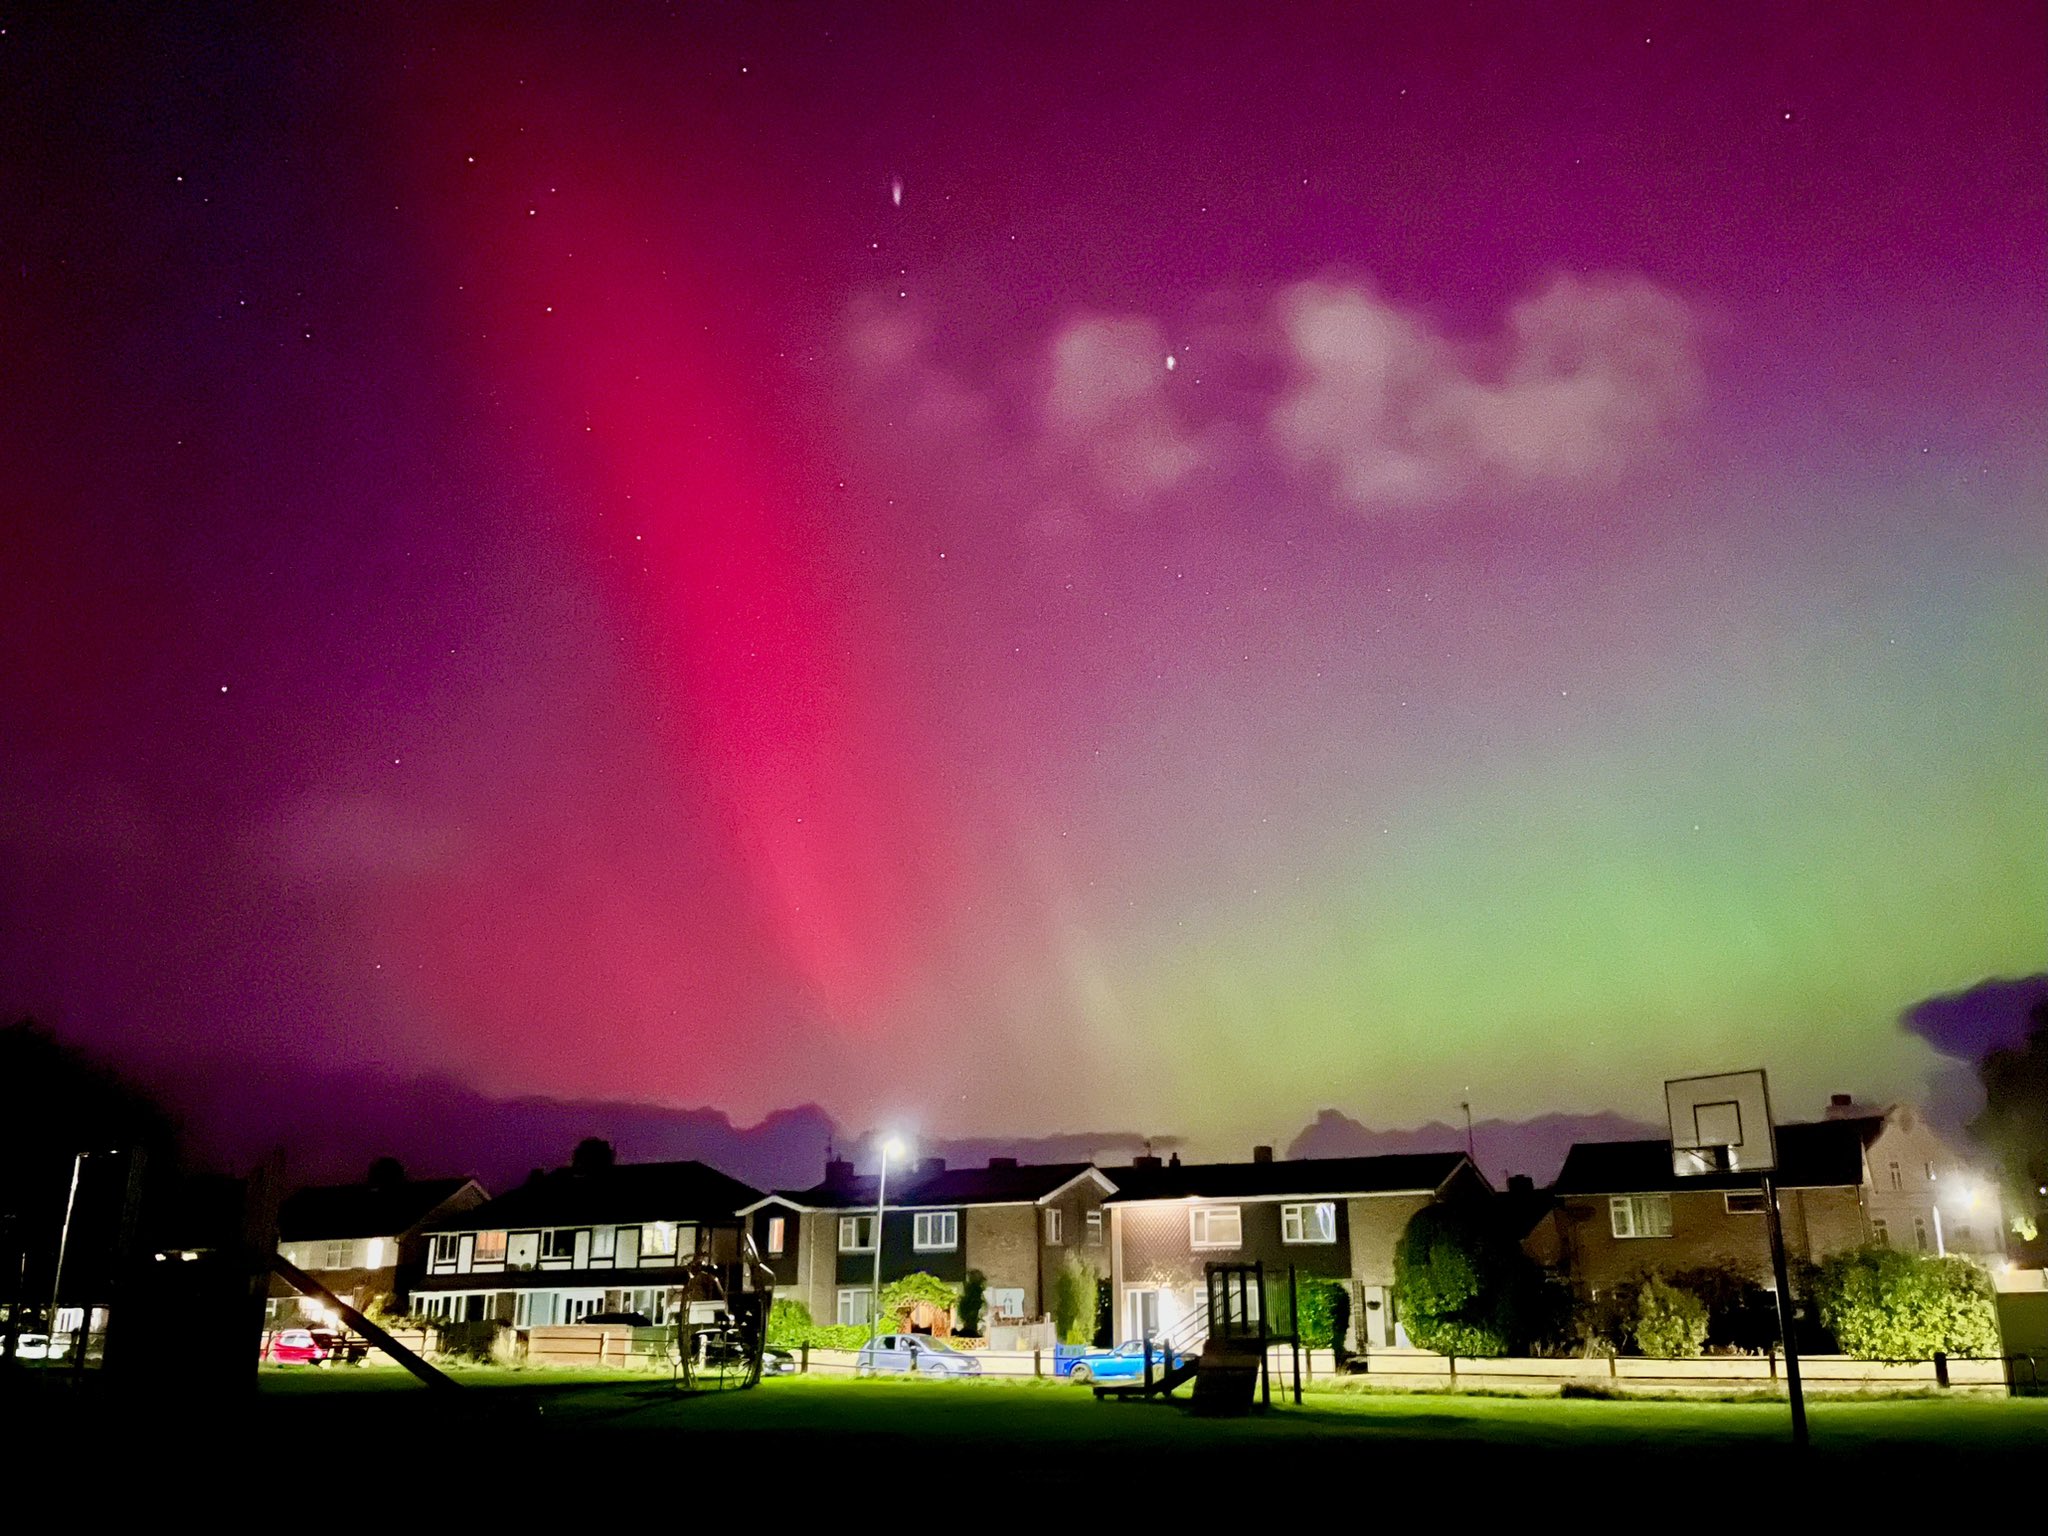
973, 1300
789, 1323
1742, 1316
1670, 1323
1073, 1303
1318, 1304
1881, 1304
899, 1296
1465, 1287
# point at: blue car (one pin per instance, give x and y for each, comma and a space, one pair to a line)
918, 1352
1124, 1363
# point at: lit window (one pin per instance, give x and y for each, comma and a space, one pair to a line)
936, 1232
856, 1234
1640, 1215
1751, 1204
854, 1310
658, 1239
490, 1248
1308, 1223
338, 1256
1215, 1226
558, 1243
1054, 1235
777, 1228
1095, 1229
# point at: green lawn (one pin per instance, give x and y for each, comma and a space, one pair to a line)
1066, 1422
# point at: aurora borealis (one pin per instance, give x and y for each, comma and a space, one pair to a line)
1017, 569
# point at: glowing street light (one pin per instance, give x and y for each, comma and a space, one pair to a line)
890, 1148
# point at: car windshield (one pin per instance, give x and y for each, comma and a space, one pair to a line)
939, 1345
1131, 1347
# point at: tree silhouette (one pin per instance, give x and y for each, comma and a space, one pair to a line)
386, 1173
2015, 1119
593, 1154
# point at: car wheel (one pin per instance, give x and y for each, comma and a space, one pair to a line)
1081, 1374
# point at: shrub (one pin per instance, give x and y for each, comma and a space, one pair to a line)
973, 1300
1670, 1323
1073, 1303
1465, 1287
1881, 1304
1315, 1312
1742, 1316
789, 1323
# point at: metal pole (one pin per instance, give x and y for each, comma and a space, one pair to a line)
63, 1242
1793, 1389
1294, 1344
881, 1201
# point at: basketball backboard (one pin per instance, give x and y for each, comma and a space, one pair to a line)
1721, 1124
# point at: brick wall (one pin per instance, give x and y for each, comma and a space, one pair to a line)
1818, 1222
1002, 1242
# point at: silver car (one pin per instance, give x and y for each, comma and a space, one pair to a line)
913, 1352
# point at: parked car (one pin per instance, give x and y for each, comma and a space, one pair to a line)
723, 1352
1124, 1363
300, 1346
917, 1352
39, 1346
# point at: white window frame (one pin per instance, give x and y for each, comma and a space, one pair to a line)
849, 1233
1055, 1231
550, 1236
338, 1253
1294, 1222
447, 1248
1203, 1221
778, 1235
1626, 1213
935, 1231
674, 1233
478, 1256
854, 1306
1094, 1233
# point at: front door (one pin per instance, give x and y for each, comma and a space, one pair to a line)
1141, 1311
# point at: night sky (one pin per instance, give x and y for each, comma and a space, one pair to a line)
1011, 569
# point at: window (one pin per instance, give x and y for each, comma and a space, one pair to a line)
778, 1227
490, 1248
1309, 1223
936, 1232
1053, 1236
854, 1310
1745, 1205
1880, 1233
1215, 1226
1094, 1229
1893, 1168
1920, 1233
602, 1247
1640, 1215
373, 1255
856, 1235
338, 1256
1930, 1173
558, 1243
446, 1246
522, 1250
1006, 1301
657, 1240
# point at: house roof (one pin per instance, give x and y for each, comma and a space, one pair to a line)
1387, 1174
362, 1210
1001, 1185
625, 1192
1811, 1155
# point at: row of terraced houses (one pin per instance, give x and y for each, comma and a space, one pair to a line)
584, 1241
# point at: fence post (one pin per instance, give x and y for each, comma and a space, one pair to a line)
1037, 1363
1941, 1367
1774, 1362
803, 1358
1614, 1368
1453, 1359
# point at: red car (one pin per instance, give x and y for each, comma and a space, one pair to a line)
300, 1346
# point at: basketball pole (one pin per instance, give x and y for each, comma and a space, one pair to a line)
1793, 1388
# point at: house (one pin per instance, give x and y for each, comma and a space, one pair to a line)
363, 1241
1018, 1223
581, 1240
1334, 1218
1857, 1177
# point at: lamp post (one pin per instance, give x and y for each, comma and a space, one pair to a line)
64, 1242
890, 1148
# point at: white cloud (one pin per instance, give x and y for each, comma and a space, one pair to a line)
1587, 378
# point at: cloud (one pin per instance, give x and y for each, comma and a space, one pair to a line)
1327, 381
1589, 378
1978, 1020
1536, 1147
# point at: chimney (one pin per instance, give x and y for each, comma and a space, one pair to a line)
1841, 1100
1262, 1154
1002, 1162
1521, 1184
1145, 1160
838, 1174
1173, 1161
927, 1166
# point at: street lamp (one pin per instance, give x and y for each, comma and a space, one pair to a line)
64, 1239
890, 1148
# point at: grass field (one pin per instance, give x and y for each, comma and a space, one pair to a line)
834, 1426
